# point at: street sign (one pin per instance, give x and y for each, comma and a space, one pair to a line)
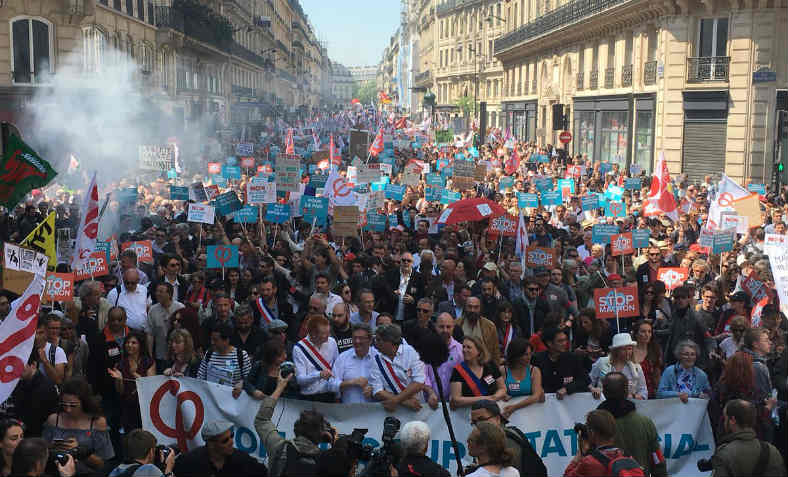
565, 137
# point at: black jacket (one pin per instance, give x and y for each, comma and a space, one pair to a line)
388, 301
196, 463
567, 372
522, 315
420, 466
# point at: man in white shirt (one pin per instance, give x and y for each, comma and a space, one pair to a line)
397, 374
314, 358
52, 359
352, 368
366, 313
322, 289
134, 299
158, 324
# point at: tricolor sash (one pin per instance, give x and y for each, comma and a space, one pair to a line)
387, 370
313, 355
507, 337
265, 313
478, 387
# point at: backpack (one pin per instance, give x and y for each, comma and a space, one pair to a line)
621, 465
293, 463
530, 463
239, 355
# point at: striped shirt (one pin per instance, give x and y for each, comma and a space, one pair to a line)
224, 368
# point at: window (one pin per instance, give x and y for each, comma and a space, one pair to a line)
141, 9
628, 49
116, 4
94, 44
31, 47
164, 79
611, 53
146, 58
713, 37
130, 7
150, 12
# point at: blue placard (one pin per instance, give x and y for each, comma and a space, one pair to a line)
723, 241
449, 197
244, 149
447, 172
375, 222
406, 218
539, 158
459, 156
614, 192
590, 202
219, 180
601, 233
277, 213
527, 200
551, 197
228, 203
759, 188
394, 191
632, 183
605, 167
506, 182
314, 208
432, 194
221, 256
567, 182
442, 163
473, 151
179, 193
105, 247
393, 220
318, 181
640, 238
615, 209
246, 215
361, 189
172, 174
543, 184
433, 179
231, 161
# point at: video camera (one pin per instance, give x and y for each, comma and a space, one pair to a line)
382, 458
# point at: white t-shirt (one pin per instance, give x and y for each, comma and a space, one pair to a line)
60, 356
505, 472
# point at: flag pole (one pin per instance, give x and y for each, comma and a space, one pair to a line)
615, 307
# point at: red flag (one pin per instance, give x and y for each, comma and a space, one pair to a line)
401, 123
333, 153
289, 146
660, 199
513, 163
377, 145
88, 226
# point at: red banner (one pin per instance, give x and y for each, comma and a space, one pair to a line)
621, 302
59, 287
621, 244
143, 248
95, 266
540, 257
673, 277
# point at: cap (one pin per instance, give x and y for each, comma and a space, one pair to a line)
490, 266
277, 325
215, 428
740, 296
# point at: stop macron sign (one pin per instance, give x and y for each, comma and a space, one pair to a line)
619, 302
565, 137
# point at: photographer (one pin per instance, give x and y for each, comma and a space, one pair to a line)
141, 456
597, 450
218, 457
740, 452
31, 457
300, 456
415, 438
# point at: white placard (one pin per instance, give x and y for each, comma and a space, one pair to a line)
204, 214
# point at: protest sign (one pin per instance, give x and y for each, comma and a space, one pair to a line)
359, 143
621, 244
590, 202
601, 233
614, 192
375, 222
754, 287
749, 207
567, 187
256, 190
244, 149
616, 303
449, 197
314, 209
673, 277
722, 241
640, 238
737, 222
231, 172
219, 180
395, 192
42, 240
434, 180
432, 194
540, 257
96, 266
247, 162
221, 256
505, 183
393, 220
346, 221
411, 178
156, 158
377, 200
526, 200
200, 213
615, 209
543, 184
179, 193
105, 247
463, 174
143, 249
632, 183
211, 191
757, 188
59, 287
480, 173
775, 243
288, 174
368, 174
277, 213
228, 203
551, 197
197, 192
778, 261
246, 215
505, 224
214, 168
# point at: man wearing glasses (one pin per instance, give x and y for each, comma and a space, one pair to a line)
172, 275
647, 272
407, 288
415, 328
132, 297
218, 457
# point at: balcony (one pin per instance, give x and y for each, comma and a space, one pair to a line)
423, 78
246, 54
196, 21
567, 14
707, 68
610, 77
594, 79
626, 76
650, 73
243, 91
581, 81
449, 5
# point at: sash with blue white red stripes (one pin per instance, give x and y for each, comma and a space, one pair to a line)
389, 375
265, 313
477, 386
313, 355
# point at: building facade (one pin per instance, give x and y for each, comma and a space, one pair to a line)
238, 62
700, 81
342, 84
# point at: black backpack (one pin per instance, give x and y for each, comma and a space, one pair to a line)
239, 356
530, 464
296, 464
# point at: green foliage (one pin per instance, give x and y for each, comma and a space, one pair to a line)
366, 92
465, 103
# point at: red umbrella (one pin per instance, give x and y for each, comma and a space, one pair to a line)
470, 210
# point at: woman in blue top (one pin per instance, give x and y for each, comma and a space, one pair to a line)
521, 377
684, 380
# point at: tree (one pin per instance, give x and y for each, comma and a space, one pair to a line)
365, 91
465, 103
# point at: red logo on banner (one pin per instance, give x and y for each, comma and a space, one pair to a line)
673, 277
539, 257
179, 432
143, 248
621, 302
621, 244
59, 287
95, 266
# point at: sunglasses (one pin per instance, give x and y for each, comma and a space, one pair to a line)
532, 289
424, 310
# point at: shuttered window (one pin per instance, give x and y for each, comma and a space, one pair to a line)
704, 148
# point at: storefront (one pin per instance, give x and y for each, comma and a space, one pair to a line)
521, 119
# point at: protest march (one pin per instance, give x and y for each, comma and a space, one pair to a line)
461, 297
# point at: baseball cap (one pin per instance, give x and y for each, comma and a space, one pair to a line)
215, 428
277, 325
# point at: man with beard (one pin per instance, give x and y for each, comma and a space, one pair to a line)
647, 272
366, 310
352, 367
489, 299
414, 329
246, 336
340, 327
269, 306
472, 323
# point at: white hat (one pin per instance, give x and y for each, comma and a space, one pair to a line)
622, 339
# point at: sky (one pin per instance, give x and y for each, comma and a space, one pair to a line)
355, 31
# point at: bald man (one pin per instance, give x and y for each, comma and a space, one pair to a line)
132, 297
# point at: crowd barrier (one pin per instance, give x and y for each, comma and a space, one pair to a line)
175, 409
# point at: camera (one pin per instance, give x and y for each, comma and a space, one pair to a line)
286, 369
357, 450
385, 456
61, 457
705, 465
161, 454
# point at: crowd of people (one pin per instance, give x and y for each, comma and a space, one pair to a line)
315, 316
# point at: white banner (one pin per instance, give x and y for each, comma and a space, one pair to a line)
204, 214
778, 261
88, 226
684, 429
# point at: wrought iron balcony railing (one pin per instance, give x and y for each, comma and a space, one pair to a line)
708, 68
610, 76
650, 73
594, 79
581, 80
626, 76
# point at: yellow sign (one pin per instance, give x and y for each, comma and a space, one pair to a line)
42, 239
